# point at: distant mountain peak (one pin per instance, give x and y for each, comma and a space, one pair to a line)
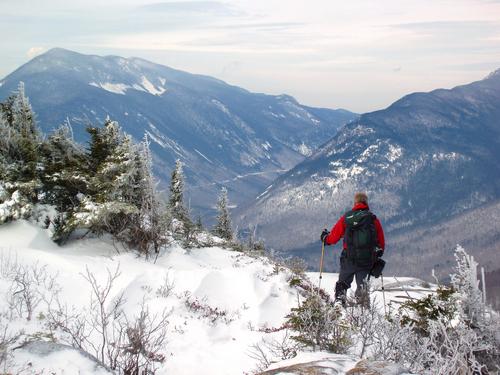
494, 74
225, 135
59, 52
55, 50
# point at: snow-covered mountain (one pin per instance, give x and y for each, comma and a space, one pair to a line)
431, 166
225, 135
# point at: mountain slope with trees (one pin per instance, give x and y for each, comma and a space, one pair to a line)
224, 135
100, 274
431, 166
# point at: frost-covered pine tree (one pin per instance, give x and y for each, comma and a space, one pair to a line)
466, 283
450, 332
112, 153
145, 184
5, 145
63, 176
176, 199
23, 116
110, 203
182, 225
102, 141
20, 137
153, 221
223, 227
199, 224
19, 157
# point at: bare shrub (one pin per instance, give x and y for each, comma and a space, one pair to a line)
363, 322
166, 288
297, 266
29, 286
272, 350
7, 338
213, 314
129, 345
393, 341
138, 342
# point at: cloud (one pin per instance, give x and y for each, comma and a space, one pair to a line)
35, 51
468, 27
193, 7
264, 26
479, 66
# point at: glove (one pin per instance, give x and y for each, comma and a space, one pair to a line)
379, 253
324, 234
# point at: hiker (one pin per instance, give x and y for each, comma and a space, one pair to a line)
363, 243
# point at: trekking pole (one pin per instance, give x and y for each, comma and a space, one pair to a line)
321, 264
383, 293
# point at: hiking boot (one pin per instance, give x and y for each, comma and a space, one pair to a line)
341, 300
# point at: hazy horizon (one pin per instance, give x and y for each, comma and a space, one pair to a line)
359, 56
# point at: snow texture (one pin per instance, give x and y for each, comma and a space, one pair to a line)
247, 293
246, 289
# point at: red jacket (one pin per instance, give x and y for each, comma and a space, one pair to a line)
338, 229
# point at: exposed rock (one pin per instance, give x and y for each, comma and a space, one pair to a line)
332, 364
311, 368
366, 367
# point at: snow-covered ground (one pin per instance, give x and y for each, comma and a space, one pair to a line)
396, 289
248, 291
219, 301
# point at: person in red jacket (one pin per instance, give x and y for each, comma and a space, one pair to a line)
363, 242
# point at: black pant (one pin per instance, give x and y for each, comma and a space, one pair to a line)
349, 270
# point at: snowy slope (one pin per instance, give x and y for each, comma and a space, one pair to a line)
394, 290
247, 292
247, 289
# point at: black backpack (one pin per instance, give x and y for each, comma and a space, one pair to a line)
360, 237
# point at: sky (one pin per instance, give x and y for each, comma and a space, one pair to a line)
360, 55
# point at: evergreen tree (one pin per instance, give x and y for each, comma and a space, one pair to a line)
199, 224
176, 200
152, 223
19, 156
466, 282
102, 142
223, 227
63, 175
110, 202
5, 144
19, 137
23, 116
112, 160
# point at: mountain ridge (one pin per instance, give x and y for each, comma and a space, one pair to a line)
219, 131
423, 160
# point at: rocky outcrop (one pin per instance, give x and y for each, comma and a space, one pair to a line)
334, 365
367, 367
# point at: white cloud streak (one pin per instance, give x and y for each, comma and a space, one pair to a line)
35, 51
